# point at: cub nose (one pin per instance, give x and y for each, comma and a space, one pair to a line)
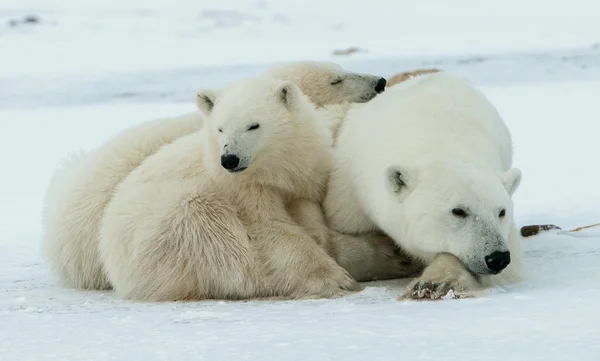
230, 161
497, 261
380, 87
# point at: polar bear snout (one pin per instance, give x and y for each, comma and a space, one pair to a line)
497, 261
380, 86
231, 162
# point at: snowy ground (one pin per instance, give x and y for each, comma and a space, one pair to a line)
89, 69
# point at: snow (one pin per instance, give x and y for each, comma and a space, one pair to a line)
92, 68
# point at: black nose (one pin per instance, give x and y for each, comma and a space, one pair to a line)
380, 87
497, 261
230, 161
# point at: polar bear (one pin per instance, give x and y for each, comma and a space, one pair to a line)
328, 83
429, 162
207, 215
83, 185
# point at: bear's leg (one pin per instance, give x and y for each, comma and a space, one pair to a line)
296, 267
172, 241
367, 257
371, 257
446, 273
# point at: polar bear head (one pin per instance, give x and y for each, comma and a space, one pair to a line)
328, 83
453, 208
260, 122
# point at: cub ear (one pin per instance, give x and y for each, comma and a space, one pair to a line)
399, 178
205, 100
287, 93
511, 179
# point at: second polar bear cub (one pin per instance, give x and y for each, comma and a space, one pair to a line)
435, 174
206, 216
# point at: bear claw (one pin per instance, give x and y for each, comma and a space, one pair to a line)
425, 291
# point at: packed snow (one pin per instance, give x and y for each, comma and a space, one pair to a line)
81, 71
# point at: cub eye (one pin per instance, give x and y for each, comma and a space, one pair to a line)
459, 212
254, 126
337, 81
220, 130
502, 213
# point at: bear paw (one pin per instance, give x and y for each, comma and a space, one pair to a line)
426, 290
391, 262
334, 284
445, 277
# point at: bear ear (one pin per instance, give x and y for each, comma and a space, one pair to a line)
205, 100
287, 93
399, 178
511, 179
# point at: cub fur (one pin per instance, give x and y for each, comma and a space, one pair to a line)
207, 216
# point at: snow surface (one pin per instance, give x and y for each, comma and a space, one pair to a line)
92, 68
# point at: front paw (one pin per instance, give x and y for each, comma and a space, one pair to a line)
391, 262
328, 283
430, 290
445, 277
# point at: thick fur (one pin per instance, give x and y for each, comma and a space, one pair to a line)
181, 226
82, 187
434, 144
369, 256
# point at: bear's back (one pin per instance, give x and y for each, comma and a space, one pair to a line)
429, 117
182, 159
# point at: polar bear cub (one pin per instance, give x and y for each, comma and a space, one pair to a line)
434, 172
81, 188
206, 216
328, 83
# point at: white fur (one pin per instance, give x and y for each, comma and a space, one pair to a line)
181, 226
80, 190
424, 147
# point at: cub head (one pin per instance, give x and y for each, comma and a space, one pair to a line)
328, 83
453, 209
255, 122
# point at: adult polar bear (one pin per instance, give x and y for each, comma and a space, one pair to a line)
433, 171
81, 188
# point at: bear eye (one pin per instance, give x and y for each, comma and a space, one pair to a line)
254, 126
502, 213
459, 212
337, 81
220, 130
